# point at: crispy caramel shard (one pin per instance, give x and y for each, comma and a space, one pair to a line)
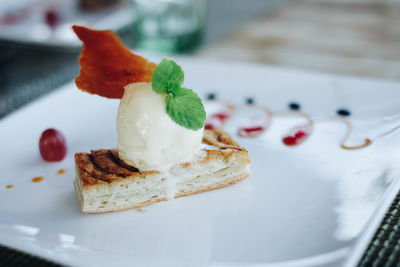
107, 65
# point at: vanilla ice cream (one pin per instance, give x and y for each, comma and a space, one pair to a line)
148, 138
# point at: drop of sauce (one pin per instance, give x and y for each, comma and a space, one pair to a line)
61, 171
250, 131
300, 134
9, 186
290, 141
37, 179
222, 116
255, 127
297, 135
217, 120
210, 126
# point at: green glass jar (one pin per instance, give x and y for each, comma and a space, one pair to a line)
169, 25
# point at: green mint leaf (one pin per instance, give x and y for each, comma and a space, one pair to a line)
167, 76
185, 108
182, 105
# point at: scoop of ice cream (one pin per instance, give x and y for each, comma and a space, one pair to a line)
148, 139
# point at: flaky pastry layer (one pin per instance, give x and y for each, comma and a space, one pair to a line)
105, 183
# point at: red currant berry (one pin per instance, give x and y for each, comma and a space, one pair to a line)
52, 145
250, 131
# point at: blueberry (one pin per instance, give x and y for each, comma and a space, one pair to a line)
211, 96
249, 101
343, 112
294, 106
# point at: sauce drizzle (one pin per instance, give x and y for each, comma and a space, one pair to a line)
140, 210
37, 179
295, 137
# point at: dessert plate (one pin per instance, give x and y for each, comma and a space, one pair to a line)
313, 199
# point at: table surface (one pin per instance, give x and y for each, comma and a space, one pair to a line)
357, 38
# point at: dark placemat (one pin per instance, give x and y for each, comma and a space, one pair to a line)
27, 73
384, 249
10, 258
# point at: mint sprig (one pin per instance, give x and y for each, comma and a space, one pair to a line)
182, 105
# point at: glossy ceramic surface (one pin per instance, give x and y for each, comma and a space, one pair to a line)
311, 204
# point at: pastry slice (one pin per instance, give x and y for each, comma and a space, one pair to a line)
105, 183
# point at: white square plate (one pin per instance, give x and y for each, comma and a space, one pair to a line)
312, 204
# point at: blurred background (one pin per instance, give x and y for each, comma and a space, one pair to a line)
38, 50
